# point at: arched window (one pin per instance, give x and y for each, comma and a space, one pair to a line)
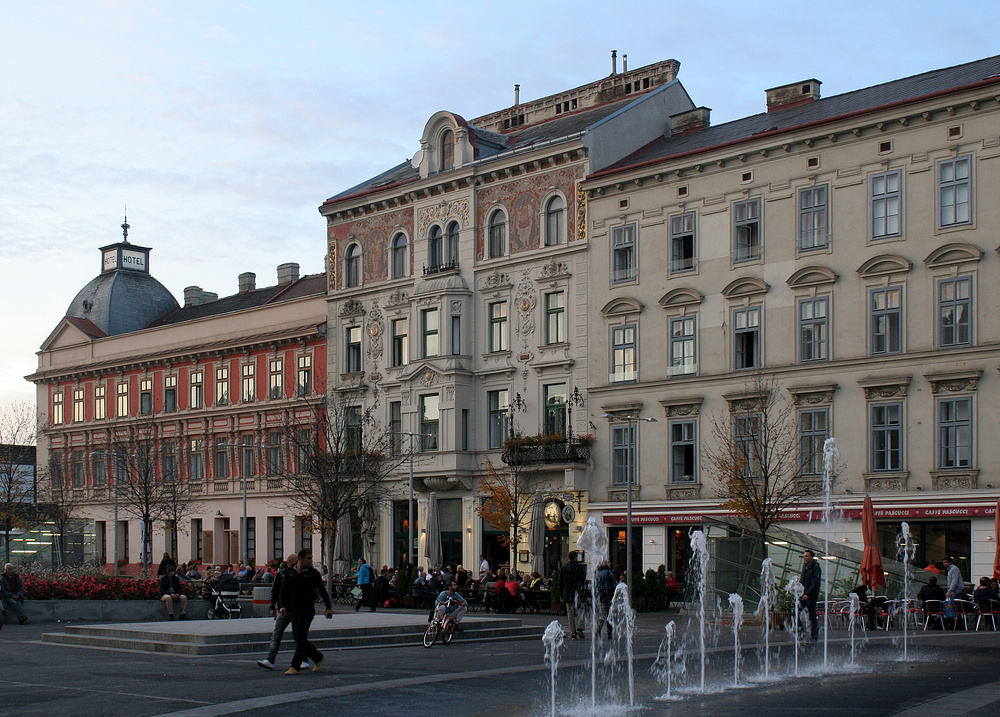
434, 247
498, 234
399, 257
352, 266
447, 150
451, 250
555, 223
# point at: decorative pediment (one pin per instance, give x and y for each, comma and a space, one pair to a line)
954, 382
746, 401
745, 286
397, 298
553, 270
424, 375
815, 395
884, 264
682, 406
951, 254
623, 409
885, 386
811, 276
352, 307
680, 297
621, 307
497, 280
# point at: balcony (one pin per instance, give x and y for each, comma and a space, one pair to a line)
534, 450
443, 267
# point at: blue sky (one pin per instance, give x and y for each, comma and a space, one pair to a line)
224, 125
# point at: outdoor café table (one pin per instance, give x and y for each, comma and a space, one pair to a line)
537, 601
475, 597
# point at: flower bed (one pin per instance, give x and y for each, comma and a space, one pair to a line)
90, 586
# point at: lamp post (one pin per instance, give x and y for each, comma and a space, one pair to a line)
243, 487
574, 398
630, 476
409, 516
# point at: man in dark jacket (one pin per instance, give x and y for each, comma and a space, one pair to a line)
170, 592
572, 576
811, 578
281, 620
12, 592
298, 598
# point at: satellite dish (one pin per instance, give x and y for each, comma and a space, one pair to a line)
417, 158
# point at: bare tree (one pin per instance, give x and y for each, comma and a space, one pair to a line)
58, 505
18, 433
755, 456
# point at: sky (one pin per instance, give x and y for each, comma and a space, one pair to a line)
224, 125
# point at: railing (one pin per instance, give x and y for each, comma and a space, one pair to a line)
442, 267
569, 451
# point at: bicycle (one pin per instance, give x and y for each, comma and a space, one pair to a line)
443, 626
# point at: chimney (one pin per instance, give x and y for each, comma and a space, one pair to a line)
793, 95
614, 62
698, 118
670, 73
287, 273
517, 95
248, 282
195, 296
624, 64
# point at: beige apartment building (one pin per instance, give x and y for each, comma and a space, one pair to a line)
846, 246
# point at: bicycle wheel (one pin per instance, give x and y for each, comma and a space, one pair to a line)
448, 632
431, 634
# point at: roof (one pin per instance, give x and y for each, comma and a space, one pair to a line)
310, 285
896, 92
119, 302
88, 327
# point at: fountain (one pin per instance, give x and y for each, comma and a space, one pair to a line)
622, 618
553, 640
699, 568
905, 550
795, 589
736, 603
830, 456
595, 546
852, 615
663, 666
764, 608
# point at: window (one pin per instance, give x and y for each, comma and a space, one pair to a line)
813, 218
623, 254
813, 330
746, 230
955, 433
169, 461
100, 467
498, 326
221, 385
465, 429
498, 234
100, 401
196, 459
303, 449
498, 404
451, 245
352, 429
623, 353
682, 452
887, 436
555, 317
400, 257
396, 427
56, 466
813, 432
555, 223
303, 377
57, 409
886, 205
274, 460
456, 335
78, 406
554, 396
955, 312
197, 539
249, 384
76, 468
749, 443
623, 454
352, 363
400, 344
196, 389
248, 457
122, 408
682, 246
887, 321
447, 149
146, 396
435, 248
275, 378
221, 459
429, 331
169, 393
746, 338
683, 359
305, 532
955, 192
429, 419
352, 266
251, 540
277, 538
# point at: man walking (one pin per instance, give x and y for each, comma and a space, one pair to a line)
12, 592
281, 620
811, 578
366, 581
298, 598
571, 578
956, 584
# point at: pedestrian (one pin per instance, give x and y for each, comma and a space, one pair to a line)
484, 568
298, 598
281, 620
955, 583
166, 563
811, 578
12, 592
171, 592
366, 581
571, 579
604, 582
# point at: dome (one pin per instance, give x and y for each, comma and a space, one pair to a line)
119, 302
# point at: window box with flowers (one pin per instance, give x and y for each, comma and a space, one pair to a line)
547, 448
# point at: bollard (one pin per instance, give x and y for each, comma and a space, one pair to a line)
262, 601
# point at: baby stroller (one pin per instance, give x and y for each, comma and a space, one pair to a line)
225, 597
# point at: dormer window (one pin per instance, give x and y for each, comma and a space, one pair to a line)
352, 266
447, 150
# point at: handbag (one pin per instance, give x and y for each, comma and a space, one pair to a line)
356, 592
949, 609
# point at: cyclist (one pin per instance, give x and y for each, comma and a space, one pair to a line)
451, 602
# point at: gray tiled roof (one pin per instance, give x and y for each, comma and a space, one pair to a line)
122, 301
822, 110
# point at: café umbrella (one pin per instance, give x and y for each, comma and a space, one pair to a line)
872, 573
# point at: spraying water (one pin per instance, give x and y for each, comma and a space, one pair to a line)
622, 618
764, 608
795, 589
852, 615
830, 456
905, 550
595, 546
736, 603
699, 552
663, 666
553, 640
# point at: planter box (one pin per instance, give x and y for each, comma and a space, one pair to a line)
113, 610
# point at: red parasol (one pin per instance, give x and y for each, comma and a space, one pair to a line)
996, 539
871, 564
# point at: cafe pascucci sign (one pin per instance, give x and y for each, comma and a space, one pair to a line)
885, 514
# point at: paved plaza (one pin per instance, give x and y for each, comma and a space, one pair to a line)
945, 675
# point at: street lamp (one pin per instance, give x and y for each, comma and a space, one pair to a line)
409, 523
574, 398
629, 478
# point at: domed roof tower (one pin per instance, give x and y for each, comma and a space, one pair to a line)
124, 297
